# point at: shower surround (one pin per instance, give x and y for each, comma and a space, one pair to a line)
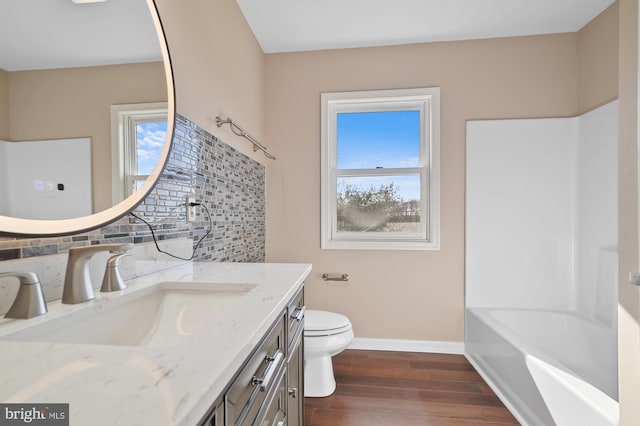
541, 264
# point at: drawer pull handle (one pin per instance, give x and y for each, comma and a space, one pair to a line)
274, 362
298, 314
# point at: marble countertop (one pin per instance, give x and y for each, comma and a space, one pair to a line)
137, 385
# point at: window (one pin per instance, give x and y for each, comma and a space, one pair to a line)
380, 169
138, 136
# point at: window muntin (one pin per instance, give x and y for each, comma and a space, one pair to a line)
380, 167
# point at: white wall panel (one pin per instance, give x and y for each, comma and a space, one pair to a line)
36, 168
519, 218
4, 178
597, 212
541, 213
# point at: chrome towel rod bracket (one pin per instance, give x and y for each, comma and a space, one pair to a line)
239, 131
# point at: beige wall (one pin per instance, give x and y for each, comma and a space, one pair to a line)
401, 294
628, 314
218, 67
4, 104
598, 60
75, 102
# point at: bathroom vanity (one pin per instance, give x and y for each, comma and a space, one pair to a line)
223, 346
268, 390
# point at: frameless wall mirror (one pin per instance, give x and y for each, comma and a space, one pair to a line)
70, 160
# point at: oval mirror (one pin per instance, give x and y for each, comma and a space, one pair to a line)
86, 112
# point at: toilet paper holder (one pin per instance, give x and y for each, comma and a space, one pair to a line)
335, 277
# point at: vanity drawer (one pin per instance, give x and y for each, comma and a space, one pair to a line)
248, 392
295, 316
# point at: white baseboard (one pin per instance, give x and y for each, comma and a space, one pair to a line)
363, 343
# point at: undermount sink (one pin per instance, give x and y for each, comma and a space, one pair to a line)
157, 316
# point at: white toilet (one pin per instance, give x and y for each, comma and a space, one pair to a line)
325, 334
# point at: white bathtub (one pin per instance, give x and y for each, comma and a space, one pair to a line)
548, 367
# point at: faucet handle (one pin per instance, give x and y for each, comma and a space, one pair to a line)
118, 248
29, 302
88, 251
112, 280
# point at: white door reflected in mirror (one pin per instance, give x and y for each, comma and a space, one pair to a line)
34, 186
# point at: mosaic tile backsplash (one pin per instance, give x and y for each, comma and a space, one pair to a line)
230, 184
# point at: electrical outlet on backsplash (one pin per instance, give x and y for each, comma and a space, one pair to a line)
231, 184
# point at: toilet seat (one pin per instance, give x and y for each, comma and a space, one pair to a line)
322, 323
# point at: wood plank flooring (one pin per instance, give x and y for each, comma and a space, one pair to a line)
376, 388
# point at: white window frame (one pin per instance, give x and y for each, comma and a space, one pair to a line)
124, 118
427, 100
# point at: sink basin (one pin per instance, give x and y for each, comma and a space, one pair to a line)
157, 316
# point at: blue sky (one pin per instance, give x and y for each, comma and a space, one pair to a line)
378, 139
367, 140
150, 140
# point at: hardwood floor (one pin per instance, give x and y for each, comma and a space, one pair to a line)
377, 388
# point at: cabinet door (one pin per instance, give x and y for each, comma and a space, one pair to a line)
295, 384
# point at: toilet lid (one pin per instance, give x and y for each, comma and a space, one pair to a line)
324, 323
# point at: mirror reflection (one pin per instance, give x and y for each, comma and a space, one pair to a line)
83, 113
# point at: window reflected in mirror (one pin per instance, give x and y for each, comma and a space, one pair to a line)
138, 136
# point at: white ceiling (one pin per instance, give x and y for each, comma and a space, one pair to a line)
39, 34
297, 25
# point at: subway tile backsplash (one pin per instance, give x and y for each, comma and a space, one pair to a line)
230, 185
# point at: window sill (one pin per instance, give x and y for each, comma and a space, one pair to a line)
379, 245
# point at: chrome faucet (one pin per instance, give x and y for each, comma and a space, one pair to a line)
29, 302
77, 280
